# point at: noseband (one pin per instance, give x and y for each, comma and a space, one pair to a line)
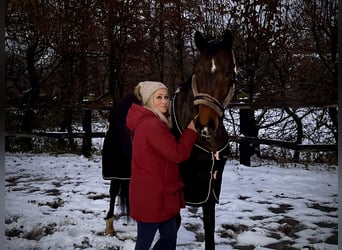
210, 101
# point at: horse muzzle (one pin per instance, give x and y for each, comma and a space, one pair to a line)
206, 122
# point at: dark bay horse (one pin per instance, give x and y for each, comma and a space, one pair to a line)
205, 96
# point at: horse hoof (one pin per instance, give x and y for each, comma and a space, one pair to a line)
109, 231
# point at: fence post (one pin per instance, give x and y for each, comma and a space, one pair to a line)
247, 128
86, 124
66, 125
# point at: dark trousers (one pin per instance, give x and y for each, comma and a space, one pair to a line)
146, 232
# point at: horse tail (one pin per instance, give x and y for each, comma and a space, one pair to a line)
124, 198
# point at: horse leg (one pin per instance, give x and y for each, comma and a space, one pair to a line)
113, 192
209, 224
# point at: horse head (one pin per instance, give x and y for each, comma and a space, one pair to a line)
212, 89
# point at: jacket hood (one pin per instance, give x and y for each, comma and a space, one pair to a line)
136, 115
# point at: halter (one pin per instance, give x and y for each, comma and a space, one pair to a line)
210, 101
207, 100
173, 112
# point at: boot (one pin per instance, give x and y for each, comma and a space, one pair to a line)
109, 227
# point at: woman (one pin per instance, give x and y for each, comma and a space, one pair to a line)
155, 193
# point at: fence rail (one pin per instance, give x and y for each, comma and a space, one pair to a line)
57, 135
244, 142
236, 105
286, 144
238, 139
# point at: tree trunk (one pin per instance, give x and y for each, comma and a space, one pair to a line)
66, 125
248, 127
300, 134
86, 124
161, 41
31, 98
333, 113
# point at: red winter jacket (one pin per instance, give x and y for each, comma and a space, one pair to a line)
155, 193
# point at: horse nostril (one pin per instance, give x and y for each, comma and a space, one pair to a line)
203, 131
198, 125
211, 125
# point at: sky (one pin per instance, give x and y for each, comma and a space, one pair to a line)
60, 201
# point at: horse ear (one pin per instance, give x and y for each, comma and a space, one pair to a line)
200, 41
228, 40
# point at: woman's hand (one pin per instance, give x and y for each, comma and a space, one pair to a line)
192, 125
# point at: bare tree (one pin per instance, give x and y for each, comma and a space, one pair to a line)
70, 52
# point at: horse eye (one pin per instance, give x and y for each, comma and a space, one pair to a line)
229, 74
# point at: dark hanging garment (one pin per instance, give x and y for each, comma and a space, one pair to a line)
117, 146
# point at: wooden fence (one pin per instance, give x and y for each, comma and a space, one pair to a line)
238, 139
88, 134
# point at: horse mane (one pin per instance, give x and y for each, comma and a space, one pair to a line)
185, 86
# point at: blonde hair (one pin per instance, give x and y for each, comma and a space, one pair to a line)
149, 105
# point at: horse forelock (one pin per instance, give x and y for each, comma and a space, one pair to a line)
213, 47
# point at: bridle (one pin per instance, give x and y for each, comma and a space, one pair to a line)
210, 101
179, 129
205, 99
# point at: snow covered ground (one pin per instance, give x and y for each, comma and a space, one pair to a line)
60, 201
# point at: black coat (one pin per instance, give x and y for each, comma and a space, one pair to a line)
117, 146
202, 175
